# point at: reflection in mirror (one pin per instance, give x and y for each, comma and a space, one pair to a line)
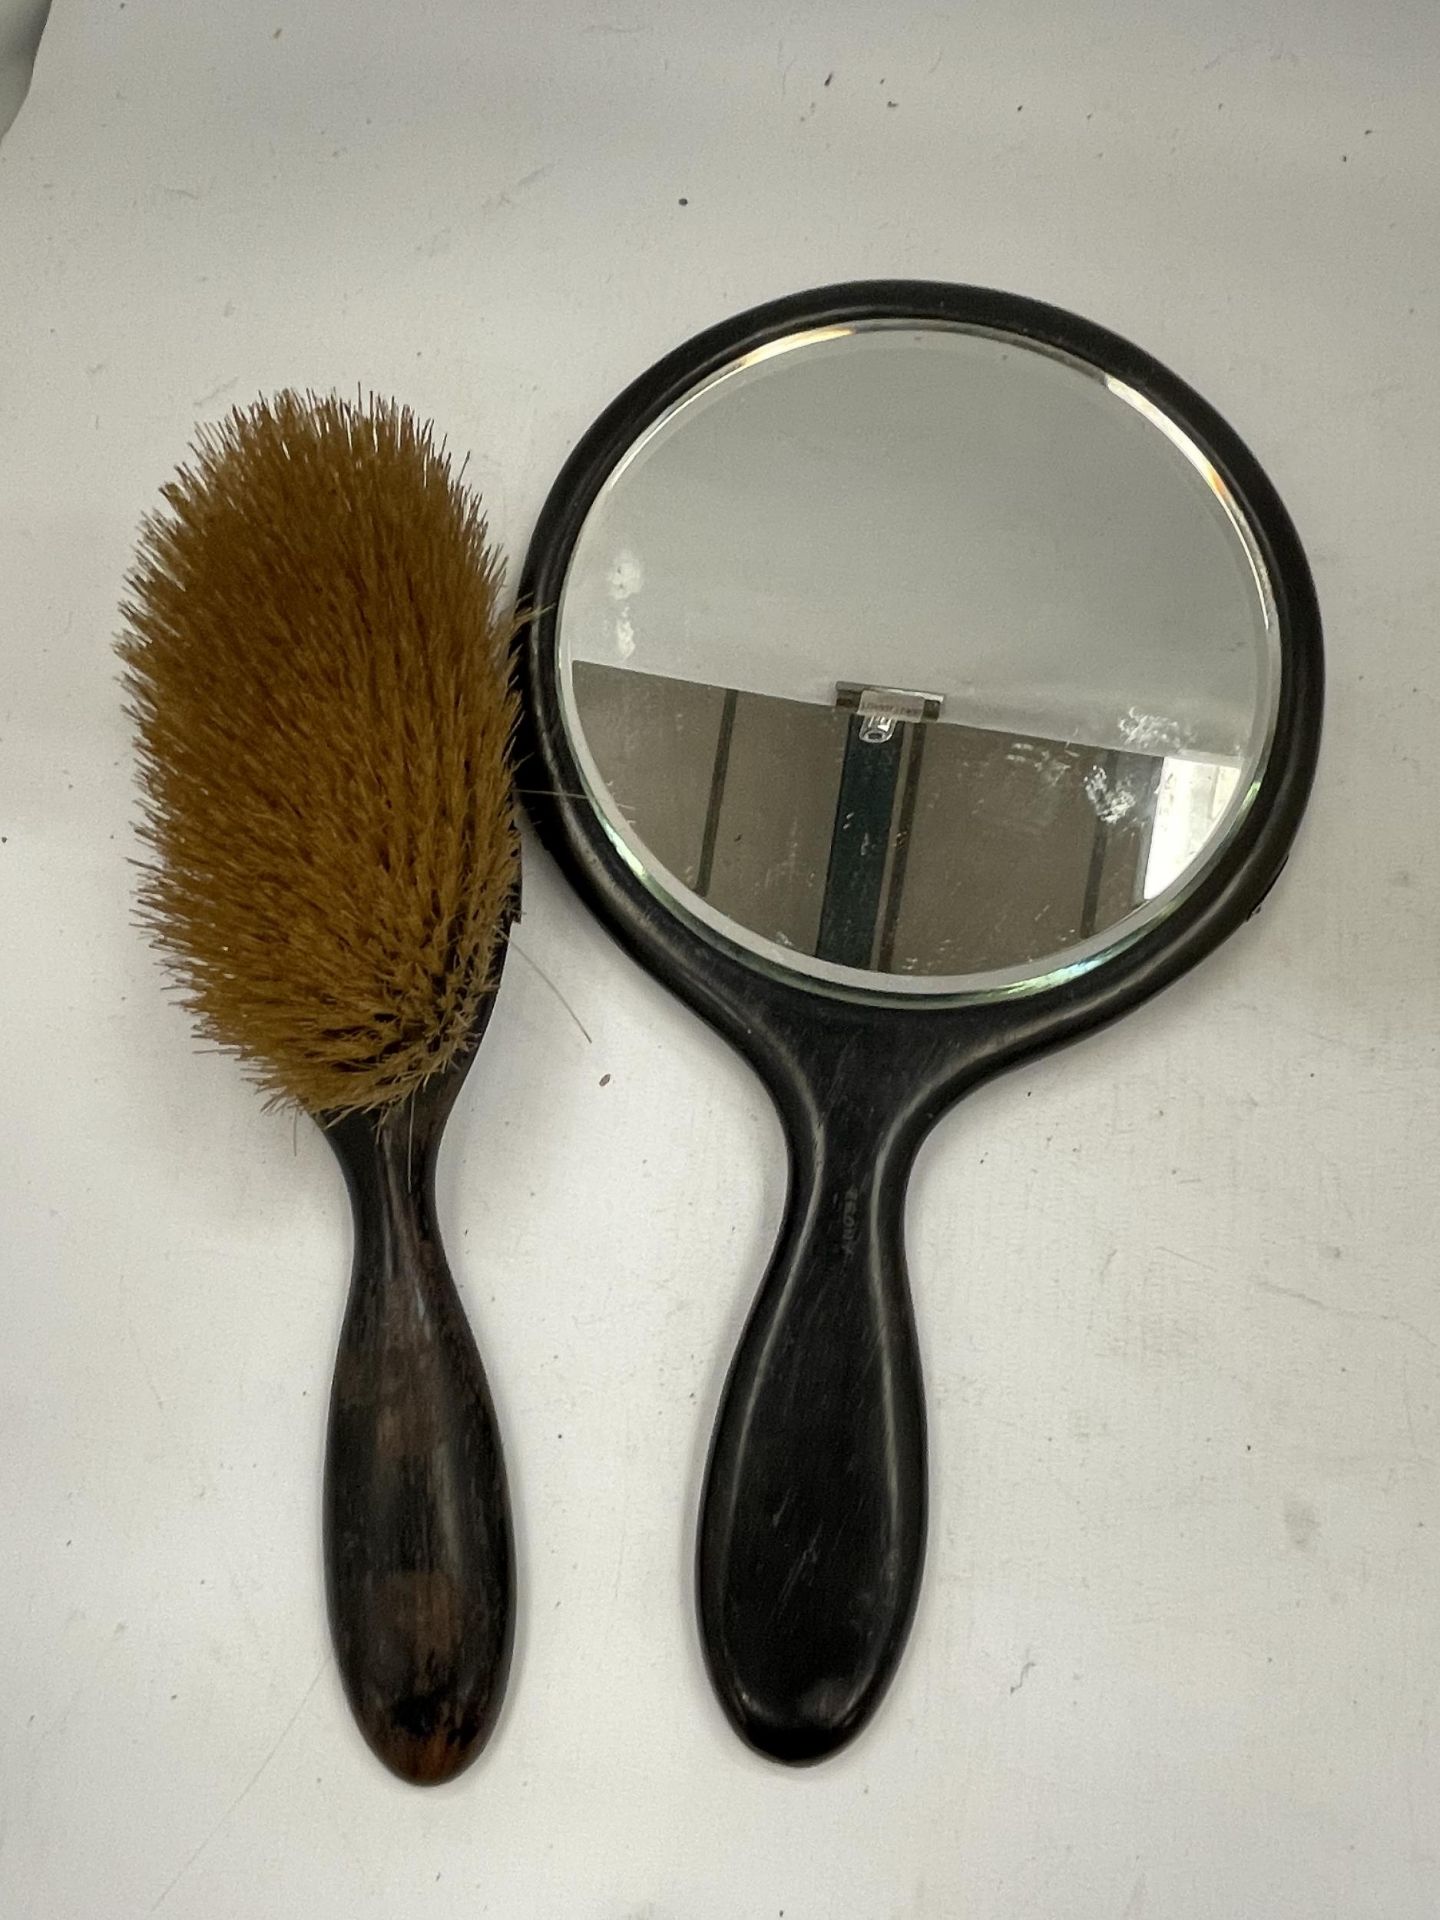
861, 860
917, 656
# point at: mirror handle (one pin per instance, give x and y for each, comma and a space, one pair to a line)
812, 1527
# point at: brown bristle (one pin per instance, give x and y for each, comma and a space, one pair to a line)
318, 671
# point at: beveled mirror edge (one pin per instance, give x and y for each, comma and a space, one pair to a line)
965, 1039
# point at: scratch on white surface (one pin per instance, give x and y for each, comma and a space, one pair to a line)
1302, 1523
57, 1725
248, 1787
251, 1624
1135, 1905
530, 179
140, 1356
1409, 1412
515, 947
1098, 1289
1027, 1667
204, 399
1375, 1314
493, 202
1187, 1259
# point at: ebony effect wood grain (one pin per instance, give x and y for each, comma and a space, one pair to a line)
419, 1553
812, 1531
812, 1524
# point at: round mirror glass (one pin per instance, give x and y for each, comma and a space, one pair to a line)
918, 658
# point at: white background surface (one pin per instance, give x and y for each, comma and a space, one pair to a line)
1178, 1652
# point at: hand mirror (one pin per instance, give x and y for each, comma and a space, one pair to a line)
916, 678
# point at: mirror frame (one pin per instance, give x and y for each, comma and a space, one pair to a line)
968, 1036
858, 1078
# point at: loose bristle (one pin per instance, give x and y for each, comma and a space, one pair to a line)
318, 671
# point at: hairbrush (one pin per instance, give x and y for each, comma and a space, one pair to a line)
318, 673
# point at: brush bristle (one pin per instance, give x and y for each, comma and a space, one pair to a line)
318, 672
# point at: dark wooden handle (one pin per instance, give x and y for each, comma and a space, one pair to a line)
812, 1531
419, 1554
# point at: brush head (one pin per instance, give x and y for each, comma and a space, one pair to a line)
318, 672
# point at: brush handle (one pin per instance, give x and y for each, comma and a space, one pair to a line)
419, 1553
812, 1526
